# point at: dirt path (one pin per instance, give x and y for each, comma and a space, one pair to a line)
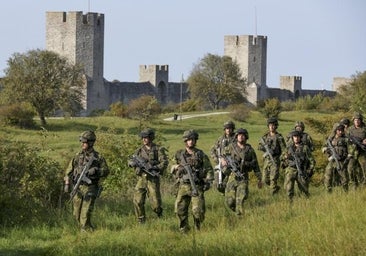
192, 116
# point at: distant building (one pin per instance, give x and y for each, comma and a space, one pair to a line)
80, 38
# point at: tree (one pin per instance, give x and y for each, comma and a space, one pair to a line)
144, 108
45, 80
217, 80
353, 94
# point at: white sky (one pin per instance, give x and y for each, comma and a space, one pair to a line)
315, 39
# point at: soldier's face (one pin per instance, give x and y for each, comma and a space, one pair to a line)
241, 138
357, 122
272, 127
146, 140
84, 145
296, 139
228, 131
190, 143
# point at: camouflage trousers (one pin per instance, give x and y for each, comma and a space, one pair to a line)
291, 176
332, 177
83, 205
357, 170
271, 173
182, 202
237, 191
147, 187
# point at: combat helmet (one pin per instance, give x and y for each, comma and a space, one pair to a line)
242, 131
295, 133
148, 133
190, 134
272, 120
229, 125
357, 115
87, 136
345, 122
300, 124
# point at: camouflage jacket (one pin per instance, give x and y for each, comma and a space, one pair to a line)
156, 156
77, 164
221, 147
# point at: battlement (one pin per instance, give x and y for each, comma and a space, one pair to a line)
90, 18
154, 68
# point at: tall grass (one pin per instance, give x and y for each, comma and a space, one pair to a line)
324, 224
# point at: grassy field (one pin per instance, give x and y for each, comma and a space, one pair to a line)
324, 224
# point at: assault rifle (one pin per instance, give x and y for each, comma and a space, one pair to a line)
82, 178
233, 166
300, 171
145, 166
268, 153
356, 141
334, 154
188, 169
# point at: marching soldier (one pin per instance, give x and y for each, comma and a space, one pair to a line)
89, 189
272, 144
194, 173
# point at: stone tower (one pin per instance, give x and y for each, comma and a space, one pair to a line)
250, 52
158, 76
80, 38
292, 84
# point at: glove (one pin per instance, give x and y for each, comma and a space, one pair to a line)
324, 149
206, 186
331, 158
93, 170
131, 163
180, 171
67, 188
349, 156
138, 171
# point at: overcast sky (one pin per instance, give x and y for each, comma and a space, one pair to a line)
315, 39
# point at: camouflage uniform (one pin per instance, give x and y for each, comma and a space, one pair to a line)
202, 172
148, 185
237, 188
334, 171
357, 164
276, 145
305, 138
221, 147
83, 202
302, 153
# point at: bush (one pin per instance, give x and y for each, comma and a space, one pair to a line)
117, 109
20, 115
30, 185
271, 108
239, 112
144, 108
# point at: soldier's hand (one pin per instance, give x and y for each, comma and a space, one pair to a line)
67, 188
138, 171
324, 149
93, 170
180, 171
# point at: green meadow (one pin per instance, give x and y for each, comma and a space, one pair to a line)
324, 224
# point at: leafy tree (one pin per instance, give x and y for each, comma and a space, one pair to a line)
45, 80
217, 80
272, 108
353, 94
144, 108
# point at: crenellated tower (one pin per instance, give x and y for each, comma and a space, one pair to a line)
80, 38
158, 76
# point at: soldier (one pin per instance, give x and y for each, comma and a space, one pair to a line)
346, 123
357, 151
89, 190
272, 144
239, 163
194, 173
221, 147
305, 137
299, 165
336, 150
148, 179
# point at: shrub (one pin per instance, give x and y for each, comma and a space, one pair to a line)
144, 108
239, 112
20, 115
271, 108
30, 184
